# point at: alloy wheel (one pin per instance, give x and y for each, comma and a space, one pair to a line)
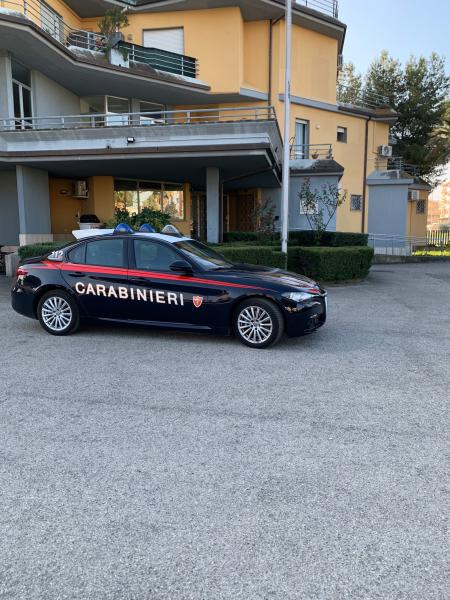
56, 313
255, 324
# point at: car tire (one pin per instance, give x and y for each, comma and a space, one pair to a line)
258, 323
58, 313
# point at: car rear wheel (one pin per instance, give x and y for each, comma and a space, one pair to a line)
258, 323
58, 313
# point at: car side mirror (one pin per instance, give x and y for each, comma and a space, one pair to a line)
181, 266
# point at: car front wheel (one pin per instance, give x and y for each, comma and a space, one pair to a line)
58, 313
258, 323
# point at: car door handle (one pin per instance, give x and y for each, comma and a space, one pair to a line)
139, 279
76, 274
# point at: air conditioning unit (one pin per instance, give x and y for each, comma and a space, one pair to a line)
385, 151
413, 195
80, 189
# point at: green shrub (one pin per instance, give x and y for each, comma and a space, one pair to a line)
155, 218
254, 255
39, 249
332, 263
304, 237
321, 263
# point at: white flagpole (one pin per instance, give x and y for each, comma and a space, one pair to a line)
287, 121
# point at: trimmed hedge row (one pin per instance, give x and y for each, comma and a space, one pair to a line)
322, 263
39, 249
301, 238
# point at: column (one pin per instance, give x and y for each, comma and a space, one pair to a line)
213, 214
33, 199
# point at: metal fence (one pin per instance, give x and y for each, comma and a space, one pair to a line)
170, 62
141, 119
49, 21
438, 238
311, 151
363, 98
329, 7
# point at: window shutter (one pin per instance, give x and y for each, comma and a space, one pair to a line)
171, 40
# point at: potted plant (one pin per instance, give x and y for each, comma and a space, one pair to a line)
89, 222
110, 26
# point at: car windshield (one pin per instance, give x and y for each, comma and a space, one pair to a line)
203, 255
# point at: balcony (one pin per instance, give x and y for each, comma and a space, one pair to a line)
141, 119
311, 152
72, 38
396, 163
347, 96
244, 143
328, 7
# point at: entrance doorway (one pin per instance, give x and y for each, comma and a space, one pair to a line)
239, 211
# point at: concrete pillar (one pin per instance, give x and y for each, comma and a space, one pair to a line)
213, 215
34, 205
9, 209
6, 93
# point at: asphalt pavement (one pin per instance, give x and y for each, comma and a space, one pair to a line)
144, 465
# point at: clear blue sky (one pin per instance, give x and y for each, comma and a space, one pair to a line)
402, 27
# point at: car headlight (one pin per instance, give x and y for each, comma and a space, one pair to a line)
298, 296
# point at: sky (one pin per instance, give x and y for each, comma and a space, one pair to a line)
402, 27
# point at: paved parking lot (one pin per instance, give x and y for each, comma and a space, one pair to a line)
141, 465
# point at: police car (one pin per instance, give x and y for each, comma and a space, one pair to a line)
164, 280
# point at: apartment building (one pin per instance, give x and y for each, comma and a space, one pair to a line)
182, 110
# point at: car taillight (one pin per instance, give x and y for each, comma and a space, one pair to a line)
21, 272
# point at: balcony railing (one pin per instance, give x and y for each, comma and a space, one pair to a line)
170, 62
311, 151
363, 99
396, 163
329, 7
48, 20
141, 119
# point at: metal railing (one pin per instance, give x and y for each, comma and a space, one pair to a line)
311, 151
170, 62
141, 119
329, 7
395, 245
364, 99
396, 163
49, 21
439, 238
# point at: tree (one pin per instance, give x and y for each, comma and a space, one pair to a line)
349, 84
112, 22
320, 205
418, 91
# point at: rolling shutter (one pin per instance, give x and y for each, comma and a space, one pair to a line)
171, 40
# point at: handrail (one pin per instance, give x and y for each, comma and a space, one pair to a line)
329, 7
141, 119
311, 151
363, 98
171, 62
50, 22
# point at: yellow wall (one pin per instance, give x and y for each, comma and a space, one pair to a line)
63, 208
416, 224
67, 14
256, 55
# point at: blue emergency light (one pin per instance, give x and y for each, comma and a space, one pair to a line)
123, 228
147, 228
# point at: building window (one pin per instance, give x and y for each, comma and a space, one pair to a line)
301, 146
133, 196
154, 113
420, 207
355, 202
171, 40
342, 134
21, 84
111, 110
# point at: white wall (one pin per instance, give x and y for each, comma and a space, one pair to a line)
51, 99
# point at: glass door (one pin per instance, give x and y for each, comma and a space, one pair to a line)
21, 84
301, 149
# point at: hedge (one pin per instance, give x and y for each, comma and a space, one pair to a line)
322, 263
304, 237
39, 249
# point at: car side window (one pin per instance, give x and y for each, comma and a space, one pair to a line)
153, 256
77, 255
106, 253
